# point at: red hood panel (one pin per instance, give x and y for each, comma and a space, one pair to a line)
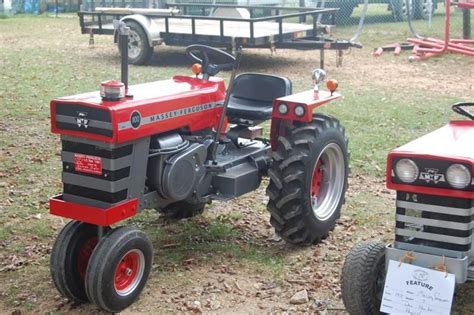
455, 140
180, 103
150, 91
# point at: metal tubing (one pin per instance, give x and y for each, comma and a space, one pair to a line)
426, 41
226, 102
100, 232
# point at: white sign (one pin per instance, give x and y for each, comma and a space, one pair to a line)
415, 290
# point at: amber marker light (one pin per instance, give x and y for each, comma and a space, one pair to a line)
332, 85
196, 68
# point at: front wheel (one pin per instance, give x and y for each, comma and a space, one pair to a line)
118, 269
363, 276
70, 257
308, 180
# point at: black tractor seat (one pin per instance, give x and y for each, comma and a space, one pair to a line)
252, 97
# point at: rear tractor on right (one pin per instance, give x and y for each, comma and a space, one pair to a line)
434, 184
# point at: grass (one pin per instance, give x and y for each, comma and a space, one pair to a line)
42, 58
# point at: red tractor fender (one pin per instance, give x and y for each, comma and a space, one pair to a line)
307, 100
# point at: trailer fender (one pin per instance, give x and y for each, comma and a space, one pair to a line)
149, 27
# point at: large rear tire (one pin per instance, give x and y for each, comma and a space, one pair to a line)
139, 51
362, 279
308, 180
70, 257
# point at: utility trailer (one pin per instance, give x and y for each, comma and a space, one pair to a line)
228, 26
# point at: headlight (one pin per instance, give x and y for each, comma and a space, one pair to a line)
300, 110
458, 176
406, 170
283, 109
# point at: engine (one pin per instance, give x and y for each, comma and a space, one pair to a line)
175, 166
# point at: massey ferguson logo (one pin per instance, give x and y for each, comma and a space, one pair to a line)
81, 120
432, 175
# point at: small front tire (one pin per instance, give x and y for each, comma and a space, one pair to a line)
363, 276
69, 259
118, 269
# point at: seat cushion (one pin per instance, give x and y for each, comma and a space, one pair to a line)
249, 109
253, 94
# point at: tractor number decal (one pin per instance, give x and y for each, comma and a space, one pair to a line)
136, 120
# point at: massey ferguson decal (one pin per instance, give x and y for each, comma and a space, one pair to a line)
166, 115
82, 120
432, 175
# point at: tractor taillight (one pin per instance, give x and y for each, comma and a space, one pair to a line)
332, 85
196, 69
112, 90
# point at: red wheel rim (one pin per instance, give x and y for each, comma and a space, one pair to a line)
84, 255
129, 272
316, 180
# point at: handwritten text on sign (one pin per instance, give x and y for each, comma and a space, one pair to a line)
414, 290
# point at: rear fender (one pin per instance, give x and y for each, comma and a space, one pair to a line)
307, 100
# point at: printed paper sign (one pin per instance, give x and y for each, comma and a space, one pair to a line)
415, 290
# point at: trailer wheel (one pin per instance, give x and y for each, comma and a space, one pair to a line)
182, 210
118, 269
401, 8
139, 51
308, 180
70, 257
424, 9
363, 276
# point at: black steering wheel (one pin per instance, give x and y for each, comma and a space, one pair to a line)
202, 53
458, 108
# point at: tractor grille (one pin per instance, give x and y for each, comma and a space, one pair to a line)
82, 118
434, 225
102, 185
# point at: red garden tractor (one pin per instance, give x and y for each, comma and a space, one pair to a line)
176, 145
433, 179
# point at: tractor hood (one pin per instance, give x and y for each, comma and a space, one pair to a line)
453, 141
182, 102
431, 156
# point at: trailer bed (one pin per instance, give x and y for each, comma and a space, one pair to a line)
275, 31
209, 30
